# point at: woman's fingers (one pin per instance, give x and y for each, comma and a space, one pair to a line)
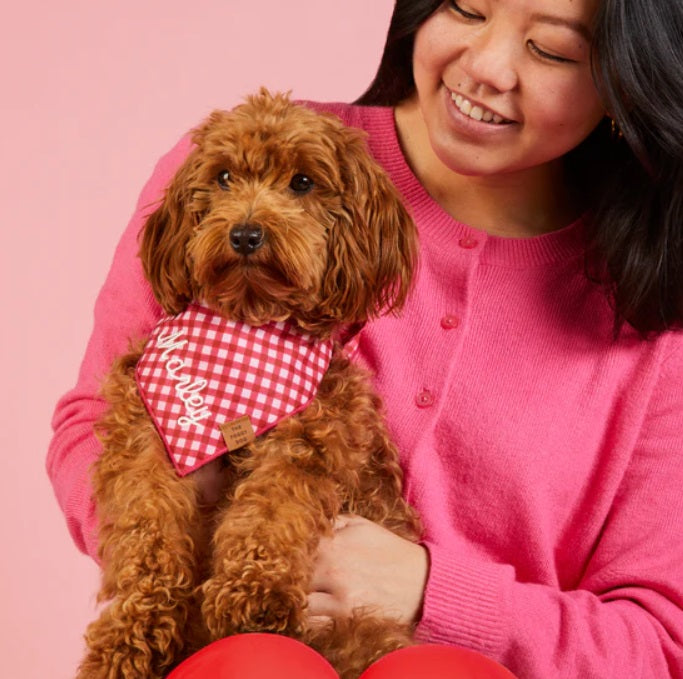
323, 605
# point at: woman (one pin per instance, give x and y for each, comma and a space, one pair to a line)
532, 383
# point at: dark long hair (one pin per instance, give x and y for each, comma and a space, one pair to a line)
633, 181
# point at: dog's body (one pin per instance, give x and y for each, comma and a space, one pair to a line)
277, 215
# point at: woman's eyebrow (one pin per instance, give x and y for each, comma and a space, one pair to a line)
577, 26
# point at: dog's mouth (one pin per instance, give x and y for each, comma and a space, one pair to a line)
253, 290
247, 271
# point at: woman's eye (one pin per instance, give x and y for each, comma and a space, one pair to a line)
223, 179
545, 55
463, 13
301, 183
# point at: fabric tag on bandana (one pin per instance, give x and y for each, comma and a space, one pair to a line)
212, 385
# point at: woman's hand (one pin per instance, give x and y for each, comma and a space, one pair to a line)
364, 564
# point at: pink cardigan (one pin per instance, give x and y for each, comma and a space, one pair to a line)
545, 459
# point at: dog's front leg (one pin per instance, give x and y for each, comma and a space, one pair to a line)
149, 535
264, 549
149, 574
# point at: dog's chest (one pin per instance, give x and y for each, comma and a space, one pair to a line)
211, 385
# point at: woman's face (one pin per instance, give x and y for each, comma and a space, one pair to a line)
506, 85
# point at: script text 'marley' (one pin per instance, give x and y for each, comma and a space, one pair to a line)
188, 390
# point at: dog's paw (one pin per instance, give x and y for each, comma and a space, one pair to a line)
353, 643
252, 604
118, 661
131, 643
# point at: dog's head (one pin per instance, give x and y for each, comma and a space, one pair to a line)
280, 213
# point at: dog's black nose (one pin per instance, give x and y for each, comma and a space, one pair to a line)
246, 238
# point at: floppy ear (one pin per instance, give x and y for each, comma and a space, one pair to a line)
372, 249
163, 246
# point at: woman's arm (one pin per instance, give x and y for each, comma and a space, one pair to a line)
125, 310
624, 618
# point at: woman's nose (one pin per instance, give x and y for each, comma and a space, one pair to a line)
491, 59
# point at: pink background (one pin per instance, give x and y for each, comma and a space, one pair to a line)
92, 94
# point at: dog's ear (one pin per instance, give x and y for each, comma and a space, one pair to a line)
164, 239
372, 249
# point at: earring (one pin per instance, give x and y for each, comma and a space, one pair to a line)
614, 130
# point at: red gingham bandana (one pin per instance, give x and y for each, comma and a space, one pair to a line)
200, 375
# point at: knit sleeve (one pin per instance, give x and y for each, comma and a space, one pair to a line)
624, 618
125, 310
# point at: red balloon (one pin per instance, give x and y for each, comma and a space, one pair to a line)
436, 662
270, 656
255, 656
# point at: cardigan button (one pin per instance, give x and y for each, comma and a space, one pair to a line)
424, 398
449, 322
468, 243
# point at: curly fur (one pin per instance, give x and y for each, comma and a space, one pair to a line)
178, 573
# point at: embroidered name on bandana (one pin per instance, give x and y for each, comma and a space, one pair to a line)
212, 385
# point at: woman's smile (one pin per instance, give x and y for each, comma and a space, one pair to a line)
477, 111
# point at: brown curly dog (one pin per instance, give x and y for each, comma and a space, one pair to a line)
278, 214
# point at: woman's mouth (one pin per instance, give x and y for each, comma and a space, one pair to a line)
476, 111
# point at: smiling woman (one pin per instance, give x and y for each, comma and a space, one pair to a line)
628, 169
468, 64
532, 383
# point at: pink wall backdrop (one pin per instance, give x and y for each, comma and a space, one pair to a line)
92, 94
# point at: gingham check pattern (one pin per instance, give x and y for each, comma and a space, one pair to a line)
199, 371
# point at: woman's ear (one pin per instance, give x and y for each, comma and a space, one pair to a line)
164, 239
372, 250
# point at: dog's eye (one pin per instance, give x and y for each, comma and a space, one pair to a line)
301, 183
223, 179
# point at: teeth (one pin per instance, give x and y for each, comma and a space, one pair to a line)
476, 112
